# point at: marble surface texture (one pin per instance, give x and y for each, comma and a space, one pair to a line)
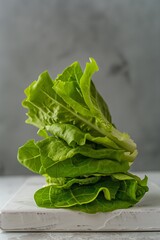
8, 186
123, 36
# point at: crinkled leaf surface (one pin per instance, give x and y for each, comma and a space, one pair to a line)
29, 156
102, 196
83, 156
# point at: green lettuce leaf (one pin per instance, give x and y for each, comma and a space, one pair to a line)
29, 156
74, 136
84, 158
53, 157
66, 101
102, 196
76, 166
51, 196
58, 150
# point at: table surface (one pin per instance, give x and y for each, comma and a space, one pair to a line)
10, 184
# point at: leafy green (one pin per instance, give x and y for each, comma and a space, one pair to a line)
62, 101
59, 160
73, 135
83, 156
105, 195
29, 156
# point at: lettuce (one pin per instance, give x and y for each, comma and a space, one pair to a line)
83, 156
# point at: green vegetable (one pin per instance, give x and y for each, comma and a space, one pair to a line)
83, 156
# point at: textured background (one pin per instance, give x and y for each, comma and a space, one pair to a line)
122, 35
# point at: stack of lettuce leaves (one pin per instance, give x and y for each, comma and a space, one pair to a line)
84, 158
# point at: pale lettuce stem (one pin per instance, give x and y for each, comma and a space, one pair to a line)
123, 140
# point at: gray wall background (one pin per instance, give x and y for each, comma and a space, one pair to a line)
122, 35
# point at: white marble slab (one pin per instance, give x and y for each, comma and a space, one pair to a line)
22, 214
